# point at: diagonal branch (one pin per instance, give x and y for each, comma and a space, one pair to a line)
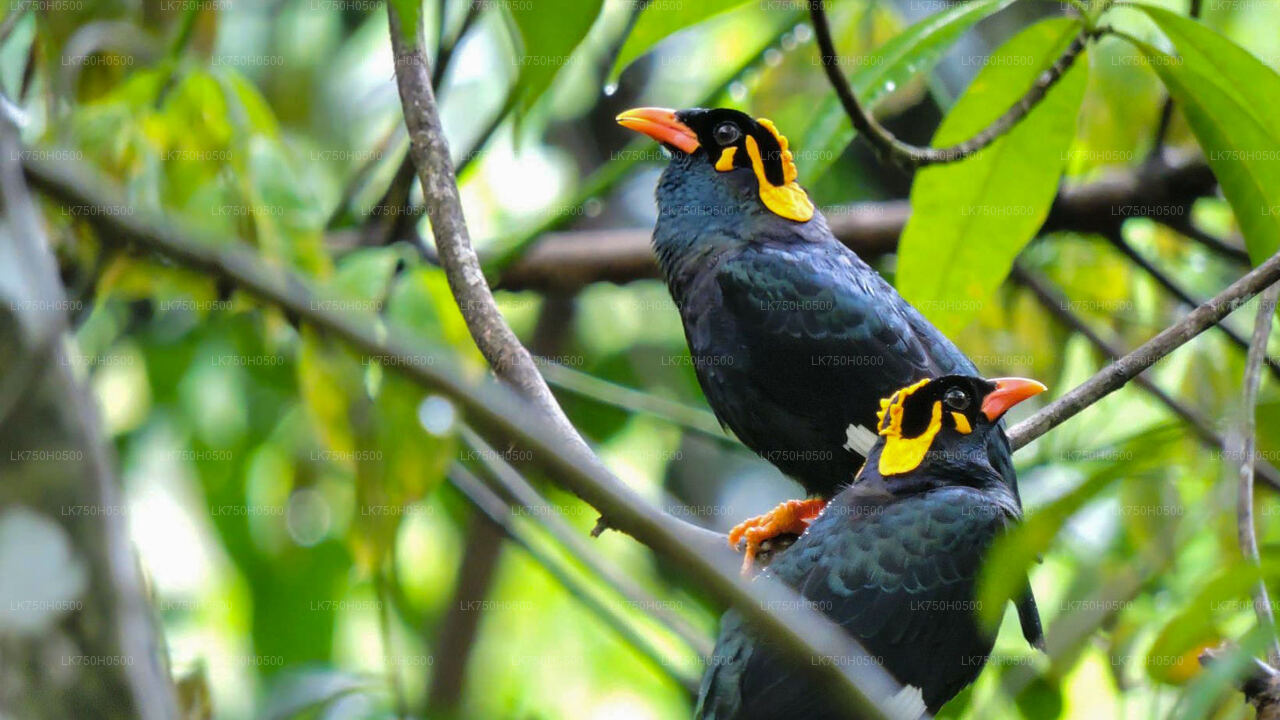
521, 493
1058, 306
906, 155
1183, 296
799, 631
498, 513
1247, 444
1115, 375
429, 149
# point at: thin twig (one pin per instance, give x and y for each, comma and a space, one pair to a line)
631, 400
799, 631
499, 513
1182, 295
1184, 226
520, 492
1059, 307
1115, 375
384, 632
1247, 442
905, 155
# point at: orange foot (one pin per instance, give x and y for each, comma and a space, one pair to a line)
790, 518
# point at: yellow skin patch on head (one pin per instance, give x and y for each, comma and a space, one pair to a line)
725, 163
789, 200
901, 454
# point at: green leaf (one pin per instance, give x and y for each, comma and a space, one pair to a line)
549, 32
1228, 98
913, 51
970, 219
660, 20
365, 275
410, 14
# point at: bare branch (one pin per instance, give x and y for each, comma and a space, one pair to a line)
1183, 296
1246, 443
565, 262
1058, 306
834, 660
520, 492
906, 155
497, 512
73, 501
430, 151
1126, 368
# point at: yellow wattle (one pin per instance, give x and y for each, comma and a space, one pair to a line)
790, 200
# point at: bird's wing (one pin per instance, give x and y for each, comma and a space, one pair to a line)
856, 339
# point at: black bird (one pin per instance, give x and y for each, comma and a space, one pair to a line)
893, 559
794, 338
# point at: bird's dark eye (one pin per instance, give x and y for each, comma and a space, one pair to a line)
956, 399
727, 133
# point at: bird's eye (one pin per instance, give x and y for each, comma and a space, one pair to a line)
956, 399
727, 133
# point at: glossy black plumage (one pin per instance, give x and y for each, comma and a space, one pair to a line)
894, 561
793, 336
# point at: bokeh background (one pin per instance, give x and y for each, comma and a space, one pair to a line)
289, 502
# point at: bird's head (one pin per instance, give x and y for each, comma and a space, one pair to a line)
941, 426
726, 155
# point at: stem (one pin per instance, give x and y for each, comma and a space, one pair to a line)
1247, 442
907, 156
1115, 375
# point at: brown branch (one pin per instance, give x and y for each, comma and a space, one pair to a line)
1115, 375
839, 664
566, 262
906, 155
498, 513
520, 492
1247, 443
429, 149
100, 654
1182, 295
1058, 306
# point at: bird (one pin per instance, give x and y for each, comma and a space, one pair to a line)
893, 559
793, 337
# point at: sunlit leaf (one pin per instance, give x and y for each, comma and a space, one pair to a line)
1225, 95
970, 219
549, 32
660, 20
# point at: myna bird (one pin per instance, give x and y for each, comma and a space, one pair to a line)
893, 558
794, 338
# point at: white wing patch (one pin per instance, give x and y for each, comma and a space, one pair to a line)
859, 439
907, 704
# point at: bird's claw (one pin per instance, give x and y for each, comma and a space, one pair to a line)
789, 518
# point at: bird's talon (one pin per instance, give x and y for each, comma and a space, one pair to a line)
789, 518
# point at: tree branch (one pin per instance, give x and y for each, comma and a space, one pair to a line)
1247, 443
1058, 306
1126, 368
520, 492
909, 156
430, 152
498, 513
800, 632
566, 262
1183, 296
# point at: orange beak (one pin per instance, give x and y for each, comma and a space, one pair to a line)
1009, 392
661, 125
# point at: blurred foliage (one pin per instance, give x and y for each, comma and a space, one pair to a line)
288, 497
